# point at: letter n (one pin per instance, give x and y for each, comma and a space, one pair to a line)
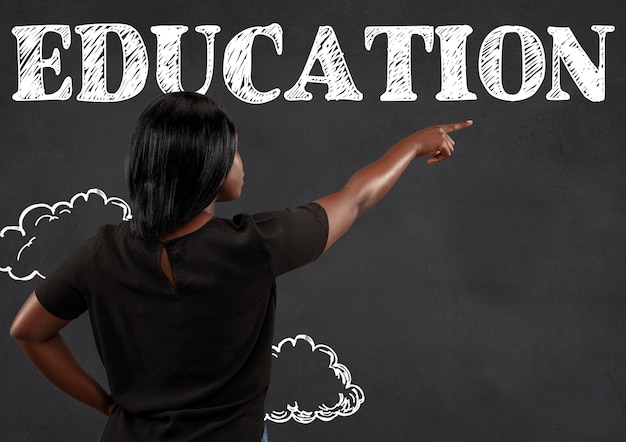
589, 78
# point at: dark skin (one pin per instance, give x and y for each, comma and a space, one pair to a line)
37, 331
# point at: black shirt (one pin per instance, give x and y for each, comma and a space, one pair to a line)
190, 362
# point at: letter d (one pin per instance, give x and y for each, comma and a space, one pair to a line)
134, 69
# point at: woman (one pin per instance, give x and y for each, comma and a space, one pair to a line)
182, 302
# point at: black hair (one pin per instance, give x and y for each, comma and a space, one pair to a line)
180, 153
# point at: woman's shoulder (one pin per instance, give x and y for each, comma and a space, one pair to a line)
109, 235
310, 210
109, 231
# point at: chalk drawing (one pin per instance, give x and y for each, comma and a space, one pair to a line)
19, 240
325, 51
313, 358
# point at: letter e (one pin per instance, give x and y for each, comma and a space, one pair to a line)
30, 63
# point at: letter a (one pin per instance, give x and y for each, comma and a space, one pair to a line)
336, 76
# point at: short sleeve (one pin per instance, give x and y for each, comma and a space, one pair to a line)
63, 292
293, 237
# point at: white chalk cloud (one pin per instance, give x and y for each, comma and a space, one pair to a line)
22, 257
315, 363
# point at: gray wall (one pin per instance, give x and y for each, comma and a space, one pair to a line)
483, 299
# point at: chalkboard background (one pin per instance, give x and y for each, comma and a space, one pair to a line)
482, 300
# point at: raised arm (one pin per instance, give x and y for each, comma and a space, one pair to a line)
367, 186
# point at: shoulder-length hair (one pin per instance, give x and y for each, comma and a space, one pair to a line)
180, 153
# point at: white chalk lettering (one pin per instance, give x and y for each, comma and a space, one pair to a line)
490, 63
399, 78
336, 76
168, 73
134, 68
238, 63
453, 63
325, 52
31, 64
589, 79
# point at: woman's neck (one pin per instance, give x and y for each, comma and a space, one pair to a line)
192, 225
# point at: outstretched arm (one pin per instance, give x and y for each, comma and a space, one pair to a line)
367, 186
37, 333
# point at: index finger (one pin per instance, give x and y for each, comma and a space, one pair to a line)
451, 127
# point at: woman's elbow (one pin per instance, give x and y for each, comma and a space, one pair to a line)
18, 330
34, 323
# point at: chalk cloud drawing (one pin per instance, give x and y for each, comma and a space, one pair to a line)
326, 392
45, 232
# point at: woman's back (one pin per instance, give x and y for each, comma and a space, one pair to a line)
189, 361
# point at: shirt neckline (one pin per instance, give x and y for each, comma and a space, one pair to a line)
189, 234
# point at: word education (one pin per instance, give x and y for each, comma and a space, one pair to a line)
589, 77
